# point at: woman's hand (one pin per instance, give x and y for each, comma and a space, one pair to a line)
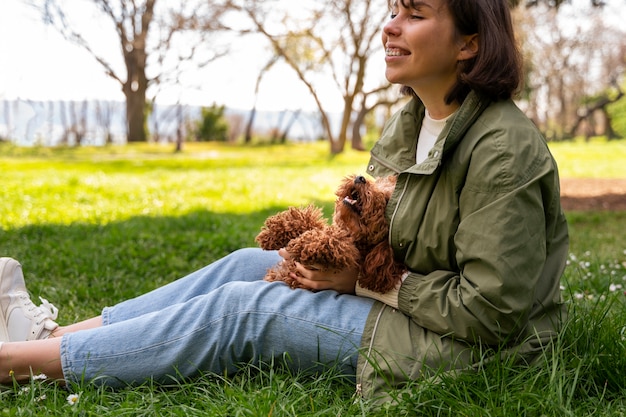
312, 277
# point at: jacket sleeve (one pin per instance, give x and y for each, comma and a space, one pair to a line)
499, 247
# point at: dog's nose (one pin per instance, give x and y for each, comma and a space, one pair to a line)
360, 180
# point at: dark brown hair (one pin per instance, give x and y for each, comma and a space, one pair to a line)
496, 70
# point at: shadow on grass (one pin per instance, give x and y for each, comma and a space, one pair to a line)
83, 267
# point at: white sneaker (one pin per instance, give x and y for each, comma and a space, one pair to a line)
20, 318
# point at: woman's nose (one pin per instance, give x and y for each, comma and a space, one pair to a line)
390, 29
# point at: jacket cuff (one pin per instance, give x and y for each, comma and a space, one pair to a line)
407, 290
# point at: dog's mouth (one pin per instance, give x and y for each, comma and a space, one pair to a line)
352, 201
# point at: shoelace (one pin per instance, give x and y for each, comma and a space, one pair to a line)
42, 312
49, 310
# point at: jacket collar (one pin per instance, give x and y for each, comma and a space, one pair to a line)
411, 120
471, 108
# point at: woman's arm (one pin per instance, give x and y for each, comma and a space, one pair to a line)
500, 248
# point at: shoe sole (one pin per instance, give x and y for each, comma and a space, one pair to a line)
4, 331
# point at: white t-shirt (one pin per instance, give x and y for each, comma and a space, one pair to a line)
428, 135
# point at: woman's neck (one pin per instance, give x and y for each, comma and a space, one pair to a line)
434, 100
438, 111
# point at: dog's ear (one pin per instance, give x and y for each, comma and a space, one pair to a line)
327, 249
380, 272
282, 227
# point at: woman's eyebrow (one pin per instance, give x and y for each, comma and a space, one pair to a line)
420, 4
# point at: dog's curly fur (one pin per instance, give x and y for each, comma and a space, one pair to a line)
357, 237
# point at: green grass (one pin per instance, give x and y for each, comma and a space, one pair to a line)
96, 226
598, 158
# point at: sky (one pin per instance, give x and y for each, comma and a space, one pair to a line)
39, 64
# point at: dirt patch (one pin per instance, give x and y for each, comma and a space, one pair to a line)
593, 194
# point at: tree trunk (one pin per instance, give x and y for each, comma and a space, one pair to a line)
248, 134
357, 140
135, 91
285, 133
342, 137
179, 129
135, 113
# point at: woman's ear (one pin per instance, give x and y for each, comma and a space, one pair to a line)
469, 47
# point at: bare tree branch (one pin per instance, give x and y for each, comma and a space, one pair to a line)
148, 38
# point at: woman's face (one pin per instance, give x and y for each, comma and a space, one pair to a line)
422, 48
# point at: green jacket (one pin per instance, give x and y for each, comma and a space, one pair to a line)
480, 226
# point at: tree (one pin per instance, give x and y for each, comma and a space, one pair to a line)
334, 39
149, 39
262, 72
383, 99
551, 3
598, 104
617, 113
570, 65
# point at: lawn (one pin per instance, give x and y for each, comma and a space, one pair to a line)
96, 226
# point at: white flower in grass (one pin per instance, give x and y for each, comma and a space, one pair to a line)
72, 399
614, 287
40, 377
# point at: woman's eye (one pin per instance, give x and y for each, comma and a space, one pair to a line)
392, 16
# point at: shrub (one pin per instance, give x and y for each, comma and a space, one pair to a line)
212, 126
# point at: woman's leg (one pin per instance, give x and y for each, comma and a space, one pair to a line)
238, 322
20, 360
75, 327
242, 265
211, 320
249, 264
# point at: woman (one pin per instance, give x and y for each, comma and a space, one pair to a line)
475, 216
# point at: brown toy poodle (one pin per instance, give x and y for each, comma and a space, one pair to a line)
357, 237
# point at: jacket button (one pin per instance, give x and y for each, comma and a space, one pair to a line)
370, 168
401, 245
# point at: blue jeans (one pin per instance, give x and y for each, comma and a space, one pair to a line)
214, 320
